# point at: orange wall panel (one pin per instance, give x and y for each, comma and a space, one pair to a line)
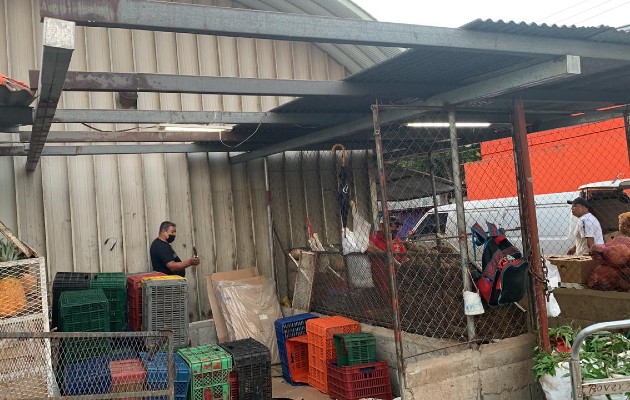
561, 160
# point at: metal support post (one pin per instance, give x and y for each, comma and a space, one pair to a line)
527, 207
461, 220
382, 180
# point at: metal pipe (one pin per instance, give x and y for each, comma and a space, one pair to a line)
531, 227
438, 227
461, 219
574, 363
270, 224
400, 360
532, 317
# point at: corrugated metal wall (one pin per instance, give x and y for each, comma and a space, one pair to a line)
100, 213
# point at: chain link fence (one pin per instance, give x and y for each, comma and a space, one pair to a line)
99, 365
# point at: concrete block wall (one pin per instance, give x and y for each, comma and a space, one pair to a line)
496, 371
448, 370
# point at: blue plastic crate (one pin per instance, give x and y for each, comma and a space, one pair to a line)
157, 375
88, 377
287, 328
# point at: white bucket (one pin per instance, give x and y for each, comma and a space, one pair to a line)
472, 303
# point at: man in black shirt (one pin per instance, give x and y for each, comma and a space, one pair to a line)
163, 257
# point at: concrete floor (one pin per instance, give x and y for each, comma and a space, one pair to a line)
281, 389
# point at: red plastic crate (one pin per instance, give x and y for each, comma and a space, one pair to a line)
359, 381
321, 348
134, 298
297, 357
233, 386
128, 376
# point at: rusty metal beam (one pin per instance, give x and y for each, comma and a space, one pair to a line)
163, 83
58, 45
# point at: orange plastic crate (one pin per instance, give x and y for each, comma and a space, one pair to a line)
297, 356
321, 348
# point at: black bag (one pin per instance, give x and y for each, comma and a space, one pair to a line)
503, 278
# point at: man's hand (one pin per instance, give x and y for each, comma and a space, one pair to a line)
571, 251
194, 261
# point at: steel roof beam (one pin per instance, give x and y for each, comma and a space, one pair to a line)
566, 66
207, 20
573, 96
586, 118
535, 75
198, 117
77, 81
58, 45
150, 136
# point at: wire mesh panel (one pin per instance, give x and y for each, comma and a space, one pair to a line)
24, 308
438, 264
82, 365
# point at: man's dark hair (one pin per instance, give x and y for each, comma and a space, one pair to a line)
165, 225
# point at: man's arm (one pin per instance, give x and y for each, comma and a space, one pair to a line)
175, 266
590, 241
571, 251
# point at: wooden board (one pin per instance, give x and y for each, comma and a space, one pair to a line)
211, 281
304, 283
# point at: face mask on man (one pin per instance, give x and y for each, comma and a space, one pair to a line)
170, 238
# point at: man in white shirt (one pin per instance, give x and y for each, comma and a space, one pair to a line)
588, 231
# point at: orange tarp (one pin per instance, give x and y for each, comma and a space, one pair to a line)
561, 160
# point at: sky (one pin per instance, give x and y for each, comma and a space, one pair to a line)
615, 13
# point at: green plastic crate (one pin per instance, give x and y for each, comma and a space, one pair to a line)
210, 368
84, 311
355, 349
114, 286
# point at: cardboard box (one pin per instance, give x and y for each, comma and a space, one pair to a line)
584, 307
211, 281
573, 269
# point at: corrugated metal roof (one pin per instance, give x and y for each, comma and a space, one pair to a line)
597, 34
353, 58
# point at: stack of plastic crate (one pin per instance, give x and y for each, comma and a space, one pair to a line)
157, 374
91, 376
210, 368
128, 376
321, 349
165, 306
356, 374
134, 298
64, 282
84, 311
251, 360
288, 328
114, 286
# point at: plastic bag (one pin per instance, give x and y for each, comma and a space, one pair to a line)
356, 241
250, 308
553, 275
553, 308
557, 387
